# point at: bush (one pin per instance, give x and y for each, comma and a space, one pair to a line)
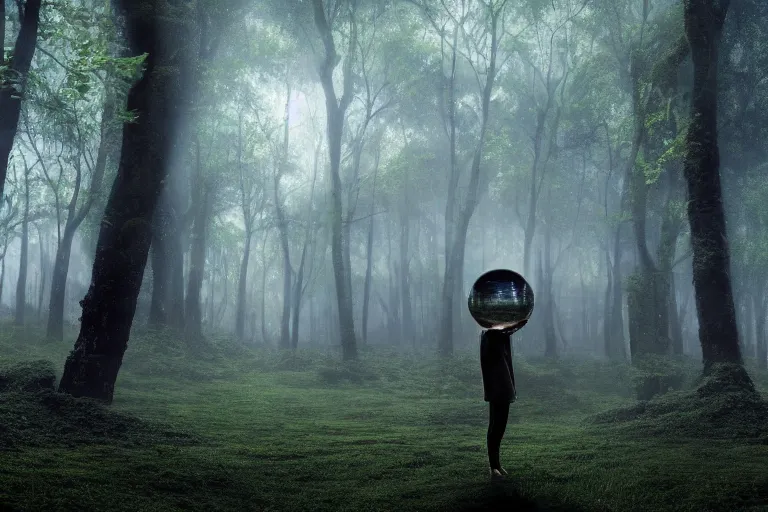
28, 376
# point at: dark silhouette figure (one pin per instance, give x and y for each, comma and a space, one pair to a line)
498, 388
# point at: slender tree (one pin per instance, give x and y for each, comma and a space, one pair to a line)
335, 111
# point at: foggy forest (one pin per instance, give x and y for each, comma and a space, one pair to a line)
237, 240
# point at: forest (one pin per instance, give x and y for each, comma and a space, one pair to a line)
237, 239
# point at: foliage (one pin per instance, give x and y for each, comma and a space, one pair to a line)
215, 444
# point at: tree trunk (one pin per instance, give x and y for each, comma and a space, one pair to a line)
454, 265
43, 272
335, 110
718, 333
369, 256
193, 323
162, 233
12, 91
298, 290
761, 347
59, 286
264, 288
159, 251
405, 292
21, 284
241, 287
157, 30
175, 297
2, 278
675, 323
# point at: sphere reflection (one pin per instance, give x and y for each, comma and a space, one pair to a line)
500, 299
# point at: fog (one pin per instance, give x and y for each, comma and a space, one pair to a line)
238, 238
549, 197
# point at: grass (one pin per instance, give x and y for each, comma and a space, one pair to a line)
226, 428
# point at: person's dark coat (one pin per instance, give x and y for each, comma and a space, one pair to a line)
496, 367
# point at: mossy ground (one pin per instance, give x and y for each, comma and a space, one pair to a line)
226, 428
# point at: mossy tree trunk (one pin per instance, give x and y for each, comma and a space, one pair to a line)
718, 333
167, 35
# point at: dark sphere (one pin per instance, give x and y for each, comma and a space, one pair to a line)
500, 299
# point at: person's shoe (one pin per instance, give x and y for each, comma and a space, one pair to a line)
503, 471
496, 475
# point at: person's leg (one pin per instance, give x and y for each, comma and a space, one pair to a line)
497, 425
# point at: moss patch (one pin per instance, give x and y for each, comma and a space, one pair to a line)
725, 405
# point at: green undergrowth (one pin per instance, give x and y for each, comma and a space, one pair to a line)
724, 405
214, 425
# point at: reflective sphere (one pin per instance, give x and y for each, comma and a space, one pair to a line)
500, 299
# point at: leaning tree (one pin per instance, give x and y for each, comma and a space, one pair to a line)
168, 36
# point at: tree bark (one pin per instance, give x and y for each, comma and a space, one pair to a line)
159, 31
336, 109
15, 81
718, 333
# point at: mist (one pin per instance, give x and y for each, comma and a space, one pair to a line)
293, 199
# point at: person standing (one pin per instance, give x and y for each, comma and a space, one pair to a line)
498, 389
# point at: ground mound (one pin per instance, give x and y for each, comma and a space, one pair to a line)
725, 405
32, 413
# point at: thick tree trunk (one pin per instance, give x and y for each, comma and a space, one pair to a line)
718, 333
12, 90
155, 29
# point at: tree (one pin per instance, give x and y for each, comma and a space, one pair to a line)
718, 333
481, 29
168, 36
336, 108
15, 79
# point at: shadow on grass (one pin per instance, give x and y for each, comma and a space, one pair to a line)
503, 496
